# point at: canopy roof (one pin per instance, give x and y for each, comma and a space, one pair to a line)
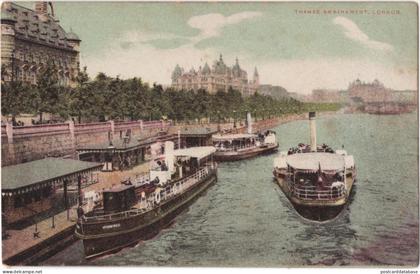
197, 131
117, 145
228, 137
312, 161
195, 152
42, 171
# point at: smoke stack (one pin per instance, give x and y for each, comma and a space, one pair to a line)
312, 124
249, 123
169, 155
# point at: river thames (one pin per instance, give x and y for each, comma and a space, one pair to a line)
245, 220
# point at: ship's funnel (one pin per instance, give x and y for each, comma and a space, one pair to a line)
169, 155
312, 124
249, 123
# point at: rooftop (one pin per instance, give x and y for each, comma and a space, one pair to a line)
197, 131
312, 161
228, 137
195, 152
41, 171
117, 144
44, 29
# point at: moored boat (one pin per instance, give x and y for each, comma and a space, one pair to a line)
316, 179
139, 210
233, 147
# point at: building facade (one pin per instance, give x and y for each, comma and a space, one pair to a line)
369, 92
219, 77
31, 39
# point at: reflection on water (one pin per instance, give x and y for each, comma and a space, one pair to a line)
245, 220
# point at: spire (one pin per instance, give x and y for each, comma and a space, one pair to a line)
236, 61
206, 69
256, 72
176, 73
221, 58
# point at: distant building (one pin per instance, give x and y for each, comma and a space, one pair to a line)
328, 96
277, 92
218, 77
32, 38
369, 92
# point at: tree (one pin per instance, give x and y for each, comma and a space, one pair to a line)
16, 98
47, 92
82, 99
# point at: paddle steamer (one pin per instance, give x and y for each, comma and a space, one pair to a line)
316, 179
137, 211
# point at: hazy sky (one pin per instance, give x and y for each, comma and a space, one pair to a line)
298, 51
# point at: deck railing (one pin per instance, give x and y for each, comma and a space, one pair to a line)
311, 193
189, 181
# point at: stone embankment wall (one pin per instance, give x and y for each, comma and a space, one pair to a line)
28, 143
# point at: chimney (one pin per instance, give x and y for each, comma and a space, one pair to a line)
169, 156
41, 7
312, 124
249, 123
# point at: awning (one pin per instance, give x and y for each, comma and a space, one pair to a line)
32, 175
312, 161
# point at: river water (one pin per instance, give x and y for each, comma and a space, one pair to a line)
245, 220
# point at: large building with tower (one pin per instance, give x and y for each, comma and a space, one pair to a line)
218, 77
33, 38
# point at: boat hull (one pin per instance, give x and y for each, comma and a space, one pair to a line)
313, 209
227, 156
142, 227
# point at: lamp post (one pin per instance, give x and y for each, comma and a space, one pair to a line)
109, 156
234, 119
218, 121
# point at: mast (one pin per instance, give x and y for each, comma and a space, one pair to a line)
312, 125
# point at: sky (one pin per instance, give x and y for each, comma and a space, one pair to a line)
290, 48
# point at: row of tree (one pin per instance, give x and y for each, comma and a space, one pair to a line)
106, 97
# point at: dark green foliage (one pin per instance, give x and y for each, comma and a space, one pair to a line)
112, 98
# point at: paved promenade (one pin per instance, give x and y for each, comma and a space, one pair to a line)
21, 240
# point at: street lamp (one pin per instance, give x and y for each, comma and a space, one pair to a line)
234, 118
218, 121
109, 157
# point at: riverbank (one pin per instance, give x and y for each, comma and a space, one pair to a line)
23, 247
277, 121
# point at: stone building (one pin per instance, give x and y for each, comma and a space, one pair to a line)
219, 77
369, 92
30, 39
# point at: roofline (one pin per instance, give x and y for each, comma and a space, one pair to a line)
18, 37
51, 179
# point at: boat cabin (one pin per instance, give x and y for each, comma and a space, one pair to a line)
316, 169
235, 141
119, 198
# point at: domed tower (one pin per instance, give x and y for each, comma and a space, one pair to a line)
236, 69
8, 22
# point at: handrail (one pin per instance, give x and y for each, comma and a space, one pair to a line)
311, 193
